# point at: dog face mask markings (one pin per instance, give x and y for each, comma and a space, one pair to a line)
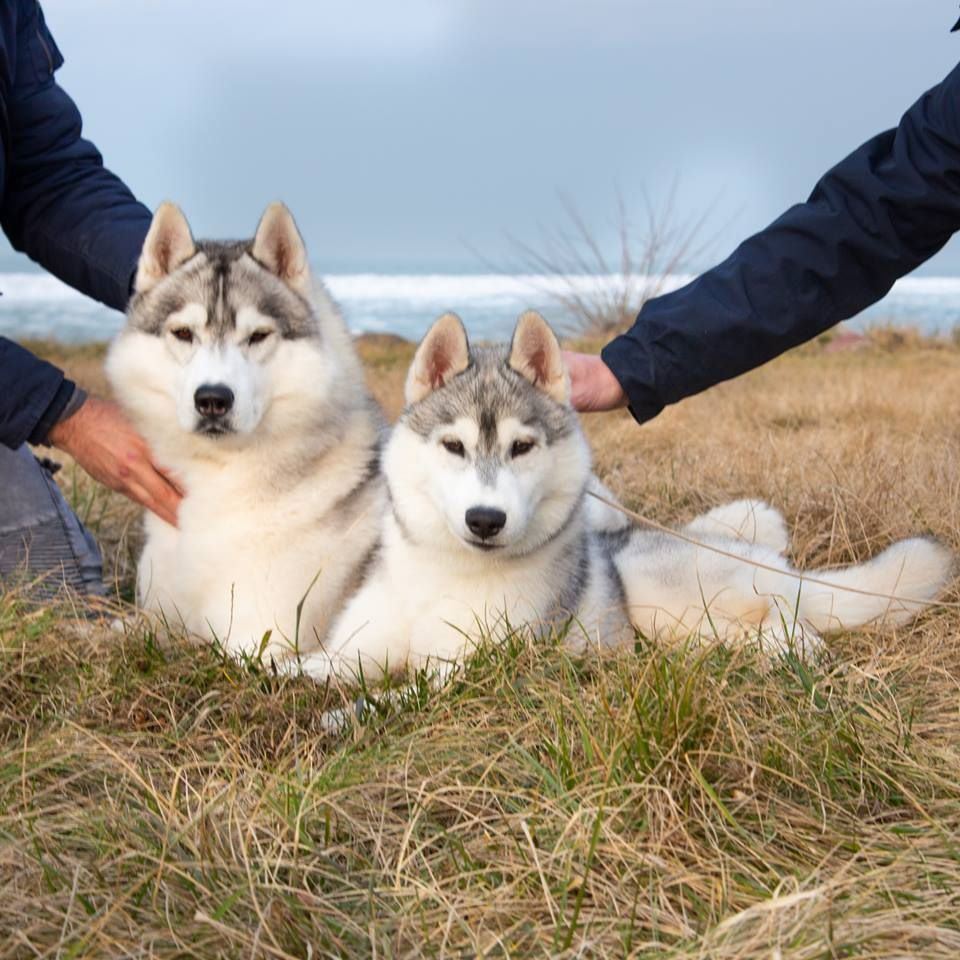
222, 310
476, 424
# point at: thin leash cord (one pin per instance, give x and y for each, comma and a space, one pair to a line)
796, 574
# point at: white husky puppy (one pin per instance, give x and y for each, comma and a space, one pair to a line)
490, 527
241, 375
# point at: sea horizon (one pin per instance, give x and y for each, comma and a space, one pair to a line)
35, 305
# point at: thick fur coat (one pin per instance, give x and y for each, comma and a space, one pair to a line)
239, 371
491, 526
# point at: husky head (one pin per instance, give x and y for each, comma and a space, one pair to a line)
488, 454
220, 335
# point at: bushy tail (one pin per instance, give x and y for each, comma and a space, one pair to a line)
914, 570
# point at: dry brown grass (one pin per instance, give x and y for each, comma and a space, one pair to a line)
158, 801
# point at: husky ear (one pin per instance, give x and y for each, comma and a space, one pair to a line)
168, 244
279, 247
535, 354
442, 354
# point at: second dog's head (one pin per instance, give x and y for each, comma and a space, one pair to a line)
488, 455
219, 334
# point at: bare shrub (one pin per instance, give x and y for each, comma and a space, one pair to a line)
600, 294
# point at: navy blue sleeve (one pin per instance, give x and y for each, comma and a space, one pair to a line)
35, 394
61, 206
64, 209
877, 215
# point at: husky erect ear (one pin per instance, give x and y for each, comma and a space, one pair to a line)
168, 244
535, 354
279, 247
442, 354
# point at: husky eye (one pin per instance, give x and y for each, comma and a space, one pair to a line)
183, 334
520, 447
453, 446
258, 336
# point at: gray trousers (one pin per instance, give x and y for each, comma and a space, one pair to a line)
43, 545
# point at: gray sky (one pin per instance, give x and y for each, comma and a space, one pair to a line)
406, 134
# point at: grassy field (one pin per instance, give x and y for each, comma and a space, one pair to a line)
156, 800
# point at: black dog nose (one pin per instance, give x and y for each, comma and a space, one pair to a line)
213, 400
485, 522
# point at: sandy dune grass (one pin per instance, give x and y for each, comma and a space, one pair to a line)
158, 801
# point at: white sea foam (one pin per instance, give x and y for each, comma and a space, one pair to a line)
475, 288
38, 305
929, 286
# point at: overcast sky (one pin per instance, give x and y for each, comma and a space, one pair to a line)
408, 134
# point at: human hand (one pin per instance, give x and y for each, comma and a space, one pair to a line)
593, 387
103, 441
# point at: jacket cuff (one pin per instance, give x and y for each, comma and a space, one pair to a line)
73, 404
65, 403
631, 363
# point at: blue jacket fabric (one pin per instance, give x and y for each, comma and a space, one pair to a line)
59, 205
874, 217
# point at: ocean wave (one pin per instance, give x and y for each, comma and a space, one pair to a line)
39, 305
928, 286
39, 288
413, 288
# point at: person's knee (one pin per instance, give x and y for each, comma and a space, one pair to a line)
44, 548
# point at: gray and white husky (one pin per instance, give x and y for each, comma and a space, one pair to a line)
240, 373
490, 526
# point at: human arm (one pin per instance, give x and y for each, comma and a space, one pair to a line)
103, 441
60, 205
44, 407
63, 208
873, 218
593, 386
